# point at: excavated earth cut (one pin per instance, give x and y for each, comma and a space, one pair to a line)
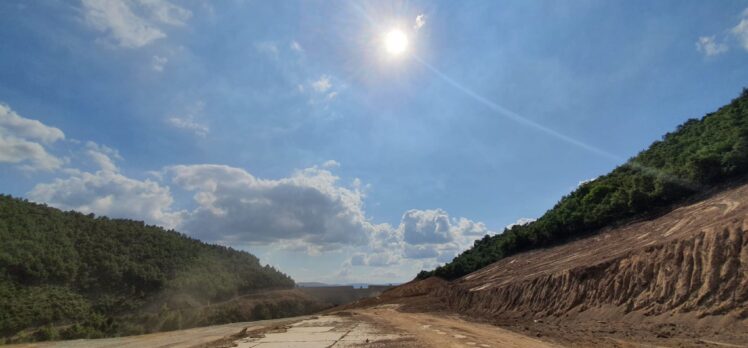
692, 261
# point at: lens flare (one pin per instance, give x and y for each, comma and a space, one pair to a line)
395, 42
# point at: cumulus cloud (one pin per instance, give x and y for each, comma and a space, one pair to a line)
421, 252
31, 155
434, 234
110, 193
310, 206
426, 227
420, 21
309, 210
710, 47
330, 164
103, 156
426, 236
521, 222
379, 259
23, 141
136, 23
21, 127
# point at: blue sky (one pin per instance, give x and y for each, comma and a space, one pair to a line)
286, 129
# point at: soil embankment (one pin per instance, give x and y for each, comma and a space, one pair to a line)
681, 278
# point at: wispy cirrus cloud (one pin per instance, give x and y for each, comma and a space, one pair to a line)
740, 31
187, 121
136, 23
709, 46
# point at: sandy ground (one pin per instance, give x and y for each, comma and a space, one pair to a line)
446, 330
386, 326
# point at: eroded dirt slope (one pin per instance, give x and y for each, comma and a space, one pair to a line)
692, 260
680, 279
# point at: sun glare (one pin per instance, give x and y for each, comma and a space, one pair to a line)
395, 42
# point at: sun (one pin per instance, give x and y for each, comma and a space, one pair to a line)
395, 42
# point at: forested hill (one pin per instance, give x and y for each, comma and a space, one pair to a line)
78, 275
698, 155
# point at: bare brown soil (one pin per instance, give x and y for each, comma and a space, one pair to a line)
677, 280
382, 326
446, 330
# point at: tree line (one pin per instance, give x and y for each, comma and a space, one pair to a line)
697, 156
71, 275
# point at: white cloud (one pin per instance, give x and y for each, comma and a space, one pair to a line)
14, 124
323, 89
30, 155
165, 12
521, 222
103, 156
136, 23
329, 164
434, 234
469, 228
309, 207
420, 21
741, 30
586, 181
322, 84
426, 237
426, 227
710, 47
188, 123
112, 194
23, 141
421, 252
310, 210
158, 63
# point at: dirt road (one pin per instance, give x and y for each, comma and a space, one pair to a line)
385, 326
442, 330
380, 326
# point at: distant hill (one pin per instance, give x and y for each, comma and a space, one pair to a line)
313, 285
693, 159
354, 285
70, 275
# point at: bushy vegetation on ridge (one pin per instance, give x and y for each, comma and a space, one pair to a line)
70, 275
698, 155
